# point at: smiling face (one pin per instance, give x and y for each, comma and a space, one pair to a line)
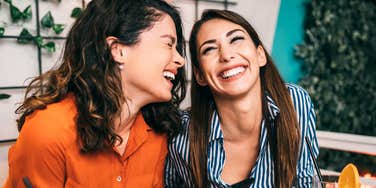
150, 65
229, 61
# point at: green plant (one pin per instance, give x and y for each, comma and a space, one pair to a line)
16, 14
76, 12
48, 22
340, 67
4, 96
2, 30
25, 37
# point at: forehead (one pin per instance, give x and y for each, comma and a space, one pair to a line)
216, 28
165, 25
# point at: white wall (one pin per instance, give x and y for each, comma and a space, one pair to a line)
262, 15
19, 62
4, 161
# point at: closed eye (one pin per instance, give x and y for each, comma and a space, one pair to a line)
206, 50
237, 38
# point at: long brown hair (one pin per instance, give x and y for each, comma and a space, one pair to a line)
91, 74
285, 140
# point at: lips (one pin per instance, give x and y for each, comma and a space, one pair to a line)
169, 75
232, 72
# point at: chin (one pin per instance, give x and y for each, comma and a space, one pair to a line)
165, 98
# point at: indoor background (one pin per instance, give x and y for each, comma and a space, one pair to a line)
291, 30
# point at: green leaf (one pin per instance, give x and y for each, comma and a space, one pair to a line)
47, 20
15, 13
2, 30
26, 14
8, 1
58, 28
4, 96
38, 41
76, 12
49, 46
24, 37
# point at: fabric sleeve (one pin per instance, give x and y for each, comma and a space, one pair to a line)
37, 155
171, 176
306, 168
159, 171
176, 167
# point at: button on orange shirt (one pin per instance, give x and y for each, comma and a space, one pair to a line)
47, 153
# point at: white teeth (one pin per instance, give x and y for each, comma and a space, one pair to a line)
232, 72
169, 75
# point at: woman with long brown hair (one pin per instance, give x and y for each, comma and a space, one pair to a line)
101, 119
246, 126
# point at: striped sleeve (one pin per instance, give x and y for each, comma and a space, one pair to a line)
171, 177
176, 167
307, 120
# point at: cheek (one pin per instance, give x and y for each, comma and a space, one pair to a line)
208, 61
249, 54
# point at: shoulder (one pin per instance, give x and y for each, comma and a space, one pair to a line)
185, 116
300, 97
296, 90
51, 125
180, 143
45, 136
304, 109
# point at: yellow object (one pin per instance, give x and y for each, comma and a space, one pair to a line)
349, 177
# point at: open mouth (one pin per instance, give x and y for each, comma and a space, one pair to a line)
232, 72
169, 75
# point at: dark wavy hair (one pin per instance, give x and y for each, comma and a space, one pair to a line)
89, 71
285, 140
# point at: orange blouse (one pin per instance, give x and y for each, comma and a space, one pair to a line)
47, 153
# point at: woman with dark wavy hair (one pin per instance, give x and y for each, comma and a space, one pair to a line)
102, 118
246, 127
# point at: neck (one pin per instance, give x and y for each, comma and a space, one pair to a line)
240, 116
134, 101
127, 116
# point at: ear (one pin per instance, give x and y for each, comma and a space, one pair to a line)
118, 50
199, 77
261, 56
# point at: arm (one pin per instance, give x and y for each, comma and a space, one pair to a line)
159, 170
305, 168
176, 167
38, 155
172, 177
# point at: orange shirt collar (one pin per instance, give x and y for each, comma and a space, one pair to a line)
137, 136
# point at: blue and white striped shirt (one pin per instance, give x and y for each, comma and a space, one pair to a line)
177, 171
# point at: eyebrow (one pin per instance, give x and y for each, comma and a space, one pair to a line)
170, 37
213, 40
233, 31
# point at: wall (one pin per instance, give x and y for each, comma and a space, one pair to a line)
289, 32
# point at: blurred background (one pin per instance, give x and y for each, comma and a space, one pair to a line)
326, 46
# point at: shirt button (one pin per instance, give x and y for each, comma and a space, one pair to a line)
118, 178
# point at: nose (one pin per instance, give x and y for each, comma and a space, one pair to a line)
178, 59
226, 54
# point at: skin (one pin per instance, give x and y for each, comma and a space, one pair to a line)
229, 50
142, 75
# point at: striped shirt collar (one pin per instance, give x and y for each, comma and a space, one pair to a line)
215, 128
